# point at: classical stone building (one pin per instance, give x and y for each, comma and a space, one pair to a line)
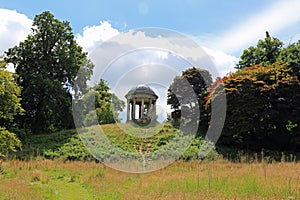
141, 104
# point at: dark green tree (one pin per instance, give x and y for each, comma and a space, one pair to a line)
47, 63
265, 53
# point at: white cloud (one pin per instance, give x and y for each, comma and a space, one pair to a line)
224, 63
95, 35
14, 28
118, 55
274, 18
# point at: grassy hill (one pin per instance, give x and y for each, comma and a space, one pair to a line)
67, 145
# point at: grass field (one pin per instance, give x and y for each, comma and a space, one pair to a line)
46, 179
58, 166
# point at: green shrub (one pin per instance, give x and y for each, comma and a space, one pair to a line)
72, 150
9, 142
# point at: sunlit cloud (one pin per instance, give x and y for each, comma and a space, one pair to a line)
274, 18
14, 28
93, 36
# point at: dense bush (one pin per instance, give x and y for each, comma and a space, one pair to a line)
8, 142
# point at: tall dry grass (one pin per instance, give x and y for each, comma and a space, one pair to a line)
45, 179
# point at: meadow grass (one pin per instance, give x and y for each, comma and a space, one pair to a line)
72, 172
46, 179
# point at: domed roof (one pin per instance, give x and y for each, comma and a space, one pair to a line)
141, 89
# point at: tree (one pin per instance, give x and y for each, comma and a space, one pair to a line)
187, 91
9, 96
265, 53
47, 63
291, 56
107, 105
9, 107
262, 106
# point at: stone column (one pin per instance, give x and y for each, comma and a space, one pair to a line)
128, 109
142, 108
154, 110
150, 109
133, 110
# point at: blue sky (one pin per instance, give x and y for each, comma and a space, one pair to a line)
222, 28
190, 16
205, 20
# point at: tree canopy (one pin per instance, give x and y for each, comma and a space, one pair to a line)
188, 90
107, 105
261, 103
9, 96
291, 56
9, 107
47, 63
265, 53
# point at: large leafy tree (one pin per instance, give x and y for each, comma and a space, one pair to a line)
47, 63
187, 91
265, 53
262, 108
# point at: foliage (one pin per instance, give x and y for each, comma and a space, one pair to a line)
8, 142
9, 97
107, 105
261, 103
44, 145
291, 56
72, 150
187, 91
2, 63
47, 63
80, 83
271, 111
201, 149
265, 53
9, 107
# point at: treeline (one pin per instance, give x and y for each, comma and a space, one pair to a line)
263, 107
